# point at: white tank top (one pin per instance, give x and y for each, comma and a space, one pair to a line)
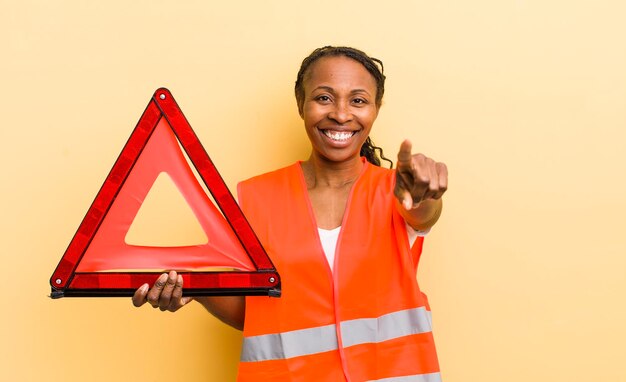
329, 238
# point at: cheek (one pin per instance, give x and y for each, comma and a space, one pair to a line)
368, 118
311, 114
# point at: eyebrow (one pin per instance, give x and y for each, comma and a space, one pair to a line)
330, 89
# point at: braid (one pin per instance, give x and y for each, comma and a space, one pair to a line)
374, 154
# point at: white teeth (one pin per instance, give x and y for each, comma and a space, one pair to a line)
338, 135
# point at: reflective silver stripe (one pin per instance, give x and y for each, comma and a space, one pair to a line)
431, 377
289, 344
386, 327
323, 338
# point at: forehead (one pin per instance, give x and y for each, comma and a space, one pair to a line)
339, 72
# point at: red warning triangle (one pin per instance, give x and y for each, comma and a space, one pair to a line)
99, 262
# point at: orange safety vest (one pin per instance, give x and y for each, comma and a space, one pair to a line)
367, 320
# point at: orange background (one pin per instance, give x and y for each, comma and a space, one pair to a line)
523, 99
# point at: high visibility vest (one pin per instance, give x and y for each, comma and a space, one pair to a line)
365, 321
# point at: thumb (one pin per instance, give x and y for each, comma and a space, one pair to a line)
186, 300
403, 195
407, 201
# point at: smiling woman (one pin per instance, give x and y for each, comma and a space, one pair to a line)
344, 234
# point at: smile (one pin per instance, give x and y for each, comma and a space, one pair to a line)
339, 136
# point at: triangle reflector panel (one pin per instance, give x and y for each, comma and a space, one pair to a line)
100, 262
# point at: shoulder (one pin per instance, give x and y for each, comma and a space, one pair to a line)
378, 178
380, 171
270, 177
265, 185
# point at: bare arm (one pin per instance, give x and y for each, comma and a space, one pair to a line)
231, 310
167, 295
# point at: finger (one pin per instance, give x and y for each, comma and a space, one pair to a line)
139, 298
421, 173
404, 188
404, 155
166, 294
177, 295
155, 291
442, 174
421, 178
433, 184
401, 193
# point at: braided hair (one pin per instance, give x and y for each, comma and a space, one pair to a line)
374, 66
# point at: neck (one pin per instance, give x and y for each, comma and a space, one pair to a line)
320, 172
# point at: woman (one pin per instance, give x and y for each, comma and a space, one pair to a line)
337, 227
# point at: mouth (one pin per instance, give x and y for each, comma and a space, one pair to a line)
339, 136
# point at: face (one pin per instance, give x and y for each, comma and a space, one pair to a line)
339, 107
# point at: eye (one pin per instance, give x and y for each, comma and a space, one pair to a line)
322, 98
359, 101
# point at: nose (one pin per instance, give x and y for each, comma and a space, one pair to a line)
340, 113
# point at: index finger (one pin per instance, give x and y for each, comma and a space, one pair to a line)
404, 155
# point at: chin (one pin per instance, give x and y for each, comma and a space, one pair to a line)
338, 157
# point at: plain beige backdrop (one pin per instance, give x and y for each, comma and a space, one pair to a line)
523, 99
